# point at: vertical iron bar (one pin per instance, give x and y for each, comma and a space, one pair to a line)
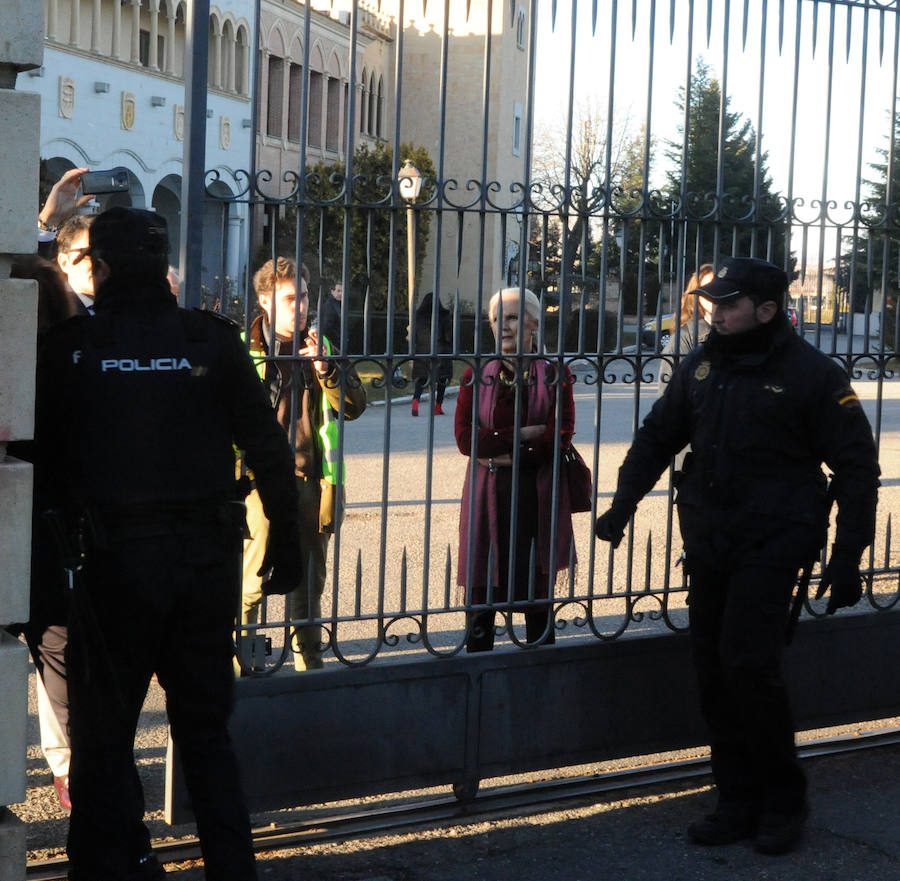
193, 184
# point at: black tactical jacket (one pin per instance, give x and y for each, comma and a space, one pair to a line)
762, 412
138, 408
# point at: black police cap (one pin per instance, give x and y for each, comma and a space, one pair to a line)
129, 231
745, 277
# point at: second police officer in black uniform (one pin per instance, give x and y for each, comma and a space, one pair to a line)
138, 409
762, 410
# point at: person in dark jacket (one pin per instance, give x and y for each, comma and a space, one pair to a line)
423, 366
330, 313
762, 411
317, 392
138, 410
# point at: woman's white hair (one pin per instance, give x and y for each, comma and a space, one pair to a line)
531, 303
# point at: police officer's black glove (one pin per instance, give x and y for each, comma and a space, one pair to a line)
611, 526
282, 559
842, 576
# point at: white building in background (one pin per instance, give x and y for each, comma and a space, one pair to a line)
112, 93
475, 148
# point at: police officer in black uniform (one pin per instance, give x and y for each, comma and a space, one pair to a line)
762, 410
138, 409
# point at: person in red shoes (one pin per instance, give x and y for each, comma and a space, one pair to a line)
423, 363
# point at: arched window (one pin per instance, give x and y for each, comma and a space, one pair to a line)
373, 110
214, 66
333, 106
379, 124
228, 49
241, 62
363, 103
316, 98
275, 100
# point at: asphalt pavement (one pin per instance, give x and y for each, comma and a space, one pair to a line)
853, 834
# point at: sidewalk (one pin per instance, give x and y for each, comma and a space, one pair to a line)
853, 835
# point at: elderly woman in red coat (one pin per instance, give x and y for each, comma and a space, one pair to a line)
508, 404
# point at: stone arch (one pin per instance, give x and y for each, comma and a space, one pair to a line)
276, 41
335, 68
296, 53
228, 56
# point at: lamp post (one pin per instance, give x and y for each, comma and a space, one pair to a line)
410, 184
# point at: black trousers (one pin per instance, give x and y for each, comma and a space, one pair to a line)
480, 627
738, 618
163, 603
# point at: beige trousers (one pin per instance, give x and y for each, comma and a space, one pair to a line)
306, 601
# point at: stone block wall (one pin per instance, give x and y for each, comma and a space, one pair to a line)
21, 48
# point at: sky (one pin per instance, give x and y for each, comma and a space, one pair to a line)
826, 153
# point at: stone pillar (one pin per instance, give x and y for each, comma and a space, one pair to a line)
116, 47
215, 58
245, 74
231, 53
75, 23
170, 40
135, 31
22, 48
234, 244
52, 18
153, 54
96, 28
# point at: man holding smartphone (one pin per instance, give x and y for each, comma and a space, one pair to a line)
59, 223
325, 391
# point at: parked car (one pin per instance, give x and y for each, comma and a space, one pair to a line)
650, 331
793, 315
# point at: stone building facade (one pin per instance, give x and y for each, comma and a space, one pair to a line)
471, 135
20, 115
112, 92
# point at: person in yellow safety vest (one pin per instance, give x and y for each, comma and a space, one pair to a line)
322, 392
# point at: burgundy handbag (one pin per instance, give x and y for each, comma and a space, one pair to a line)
578, 476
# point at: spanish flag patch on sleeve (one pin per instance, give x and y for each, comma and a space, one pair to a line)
846, 397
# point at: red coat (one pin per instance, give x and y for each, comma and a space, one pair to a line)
496, 436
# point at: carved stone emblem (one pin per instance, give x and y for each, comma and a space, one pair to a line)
66, 97
178, 122
127, 111
224, 132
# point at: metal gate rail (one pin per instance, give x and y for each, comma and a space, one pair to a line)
502, 800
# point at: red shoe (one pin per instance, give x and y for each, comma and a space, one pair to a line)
62, 791
415, 408
438, 410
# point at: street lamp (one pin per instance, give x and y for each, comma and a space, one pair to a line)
410, 184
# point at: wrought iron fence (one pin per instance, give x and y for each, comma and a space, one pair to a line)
765, 129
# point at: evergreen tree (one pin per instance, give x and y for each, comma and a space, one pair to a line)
869, 261
746, 226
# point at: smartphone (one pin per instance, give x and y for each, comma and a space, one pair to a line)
109, 180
